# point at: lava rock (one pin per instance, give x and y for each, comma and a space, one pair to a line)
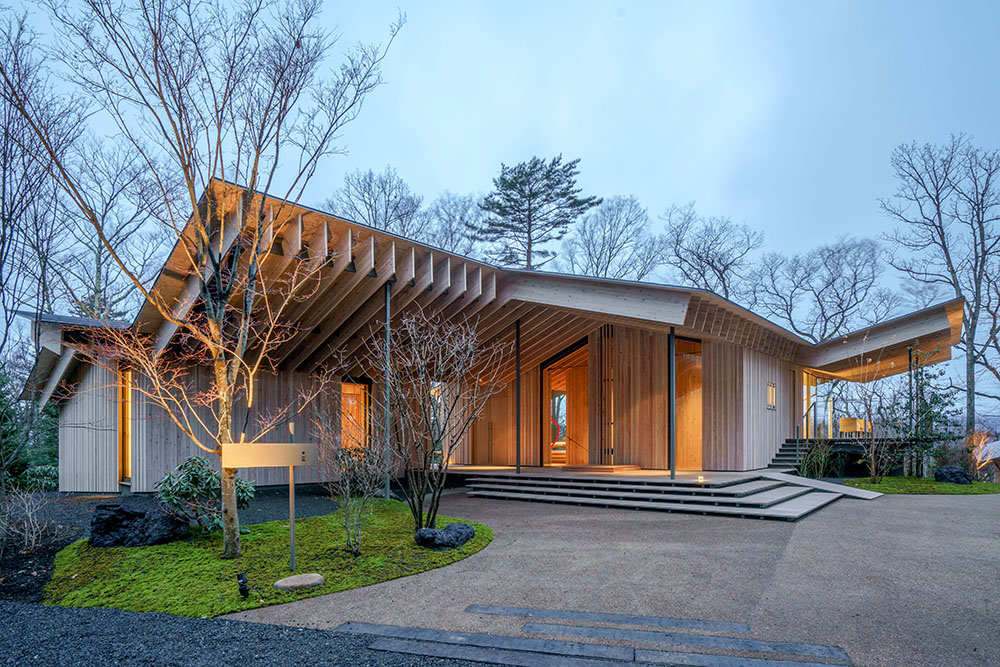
134, 522
952, 475
453, 535
297, 582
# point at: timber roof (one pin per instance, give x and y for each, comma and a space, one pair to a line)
555, 310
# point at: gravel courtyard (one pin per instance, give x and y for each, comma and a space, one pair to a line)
911, 580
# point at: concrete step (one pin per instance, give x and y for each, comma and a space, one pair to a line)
766, 498
788, 510
687, 481
740, 489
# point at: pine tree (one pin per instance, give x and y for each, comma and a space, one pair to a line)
532, 203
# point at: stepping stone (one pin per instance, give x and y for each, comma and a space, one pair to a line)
300, 581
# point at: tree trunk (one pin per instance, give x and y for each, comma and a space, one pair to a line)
970, 380
230, 515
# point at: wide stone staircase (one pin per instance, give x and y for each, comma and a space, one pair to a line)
751, 496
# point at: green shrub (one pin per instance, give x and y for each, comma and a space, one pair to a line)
193, 492
42, 478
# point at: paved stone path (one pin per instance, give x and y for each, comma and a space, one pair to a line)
909, 580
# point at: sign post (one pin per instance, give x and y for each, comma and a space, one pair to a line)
291, 503
273, 455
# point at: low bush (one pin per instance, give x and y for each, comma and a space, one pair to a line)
43, 477
193, 492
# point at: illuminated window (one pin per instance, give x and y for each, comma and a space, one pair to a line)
125, 425
772, 396
355, 413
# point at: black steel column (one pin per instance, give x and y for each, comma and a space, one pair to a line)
517, 393
672, 397
387, 424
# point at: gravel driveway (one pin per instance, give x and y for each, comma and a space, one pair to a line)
31, 634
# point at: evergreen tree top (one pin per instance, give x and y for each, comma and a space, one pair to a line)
532, 203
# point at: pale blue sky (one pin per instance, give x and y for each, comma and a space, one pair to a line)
780, 114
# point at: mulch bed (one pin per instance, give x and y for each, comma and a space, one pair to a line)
23, 575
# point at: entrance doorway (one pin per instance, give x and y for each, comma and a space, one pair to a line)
564, 408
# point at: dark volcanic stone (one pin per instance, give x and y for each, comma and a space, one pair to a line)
454, 535
134, 522
952, 475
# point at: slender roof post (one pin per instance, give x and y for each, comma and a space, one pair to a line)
517, 394
672, 398
387, 416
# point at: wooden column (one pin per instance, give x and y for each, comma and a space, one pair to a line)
672, 398
517, 394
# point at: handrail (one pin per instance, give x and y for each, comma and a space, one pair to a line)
813, 407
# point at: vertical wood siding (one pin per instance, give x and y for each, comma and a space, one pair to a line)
764, 429
88, 433
722, 406
159, 445
600, 364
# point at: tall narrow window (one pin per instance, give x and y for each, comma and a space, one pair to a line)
125, 426
355, 413
772, 396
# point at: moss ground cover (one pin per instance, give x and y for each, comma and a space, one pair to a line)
190, 578
923, 486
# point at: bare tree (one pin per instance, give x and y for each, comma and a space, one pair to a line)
711, 253
947, 206
203, 94
613, 241
439, 376
24, 229
450, 217
881, 402
825, 292
119, 191
990, 360
355, 460
381, 201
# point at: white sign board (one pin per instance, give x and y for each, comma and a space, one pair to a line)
268, 454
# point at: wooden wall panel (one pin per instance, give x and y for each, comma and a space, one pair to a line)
689, 411
722, 406
493, 441
640, 398
600, 394
765, 429
88, 433
577, 434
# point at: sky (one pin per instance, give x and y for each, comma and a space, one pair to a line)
782, 115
